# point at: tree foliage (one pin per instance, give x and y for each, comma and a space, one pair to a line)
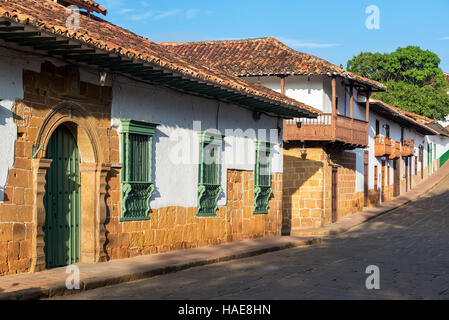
413, 78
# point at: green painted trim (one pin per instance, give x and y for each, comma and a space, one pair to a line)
209, 192
62, 201
262, 193
137, 186
139, 127
444, 158
206, 137
130, 219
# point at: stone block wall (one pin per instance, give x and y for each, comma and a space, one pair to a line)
306, 189
42, 92
349, 201
174, 228
307, 195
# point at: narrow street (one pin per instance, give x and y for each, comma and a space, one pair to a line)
409, 245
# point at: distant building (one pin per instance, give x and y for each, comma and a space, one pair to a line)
359, 153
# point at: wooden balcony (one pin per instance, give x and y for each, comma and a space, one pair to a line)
382, 147
350, 133
408, 147
395, 149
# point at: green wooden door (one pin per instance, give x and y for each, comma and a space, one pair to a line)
62, 201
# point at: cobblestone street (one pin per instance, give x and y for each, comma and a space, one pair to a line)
409, 245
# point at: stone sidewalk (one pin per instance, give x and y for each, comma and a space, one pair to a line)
51, 283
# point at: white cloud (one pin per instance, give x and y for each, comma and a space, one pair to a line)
192, 13
306, 44
136, 15
444, 38
166, 14
124, 11
141, 16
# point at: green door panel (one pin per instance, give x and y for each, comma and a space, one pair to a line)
62, 200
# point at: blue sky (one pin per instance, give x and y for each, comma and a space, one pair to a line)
329, 29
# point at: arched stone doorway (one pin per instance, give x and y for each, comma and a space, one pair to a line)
93, 174
62, 200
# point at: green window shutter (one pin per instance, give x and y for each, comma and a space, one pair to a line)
262, 178
137, 187
209, 186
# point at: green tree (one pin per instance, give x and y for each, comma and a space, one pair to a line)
413, 78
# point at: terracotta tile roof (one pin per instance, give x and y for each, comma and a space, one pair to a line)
438, 128
261, 57
89, 5
420, 123
433, 124
446, 75
48, 16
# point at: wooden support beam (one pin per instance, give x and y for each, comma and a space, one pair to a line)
351, 100
10, 29
155, 77
51, 46
85, 57
70, 52
123, 66
334, 94
42, 40
282, 85
101, 61
368, 95
19, 35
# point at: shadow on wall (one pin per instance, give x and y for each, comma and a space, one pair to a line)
297, 173
5, 114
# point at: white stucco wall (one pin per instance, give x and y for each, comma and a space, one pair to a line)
176, 179
12, 64
442, 144
308, 90
395, 133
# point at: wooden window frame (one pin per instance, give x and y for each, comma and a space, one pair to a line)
209, 191
136, 182
262, 182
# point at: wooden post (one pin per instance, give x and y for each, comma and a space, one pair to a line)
334, 107
334, 95
351, 101
368, 95
282, 85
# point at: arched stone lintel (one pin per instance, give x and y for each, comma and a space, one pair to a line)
77, 120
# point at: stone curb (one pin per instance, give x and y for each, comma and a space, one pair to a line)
148, 272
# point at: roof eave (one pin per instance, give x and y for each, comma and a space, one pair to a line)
135, 66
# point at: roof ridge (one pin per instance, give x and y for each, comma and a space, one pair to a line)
180, 43
274, 40
407, 113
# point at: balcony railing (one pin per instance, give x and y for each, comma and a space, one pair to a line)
327, 127
382, 146
395, 149
408, 147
